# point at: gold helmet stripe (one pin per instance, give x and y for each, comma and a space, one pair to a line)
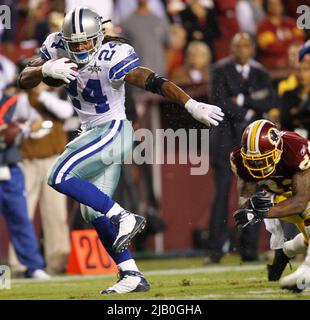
252, 136
258, 135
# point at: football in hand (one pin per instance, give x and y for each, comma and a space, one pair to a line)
56, 82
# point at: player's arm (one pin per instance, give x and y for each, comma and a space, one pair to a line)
140, 77
146, 79
298, 202
262, 208
38, 69
245, 191
32, 75
252, 206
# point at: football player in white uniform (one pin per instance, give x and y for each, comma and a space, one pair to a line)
93, 68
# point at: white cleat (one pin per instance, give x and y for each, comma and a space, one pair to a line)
40, 274
129, 281
128, 225
298, 280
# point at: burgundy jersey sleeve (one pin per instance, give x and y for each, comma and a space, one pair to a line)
296, 151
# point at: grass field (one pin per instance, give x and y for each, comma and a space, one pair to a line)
178, 278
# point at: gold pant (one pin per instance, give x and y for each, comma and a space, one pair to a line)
300, 220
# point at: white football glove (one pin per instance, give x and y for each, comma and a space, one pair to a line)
59, 69
208, 114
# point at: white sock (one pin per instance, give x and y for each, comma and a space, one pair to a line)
115, 210
128, 265
307, 259
295, 246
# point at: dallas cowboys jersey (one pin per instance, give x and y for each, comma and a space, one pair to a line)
98, 93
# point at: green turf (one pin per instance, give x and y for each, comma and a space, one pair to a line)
206, 284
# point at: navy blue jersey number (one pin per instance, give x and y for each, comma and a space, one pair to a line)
91, 93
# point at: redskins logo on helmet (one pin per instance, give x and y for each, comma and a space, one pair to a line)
261, 148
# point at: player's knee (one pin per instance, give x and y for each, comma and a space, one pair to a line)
50, 176
295, 246
88, 214
273, 226
49, 179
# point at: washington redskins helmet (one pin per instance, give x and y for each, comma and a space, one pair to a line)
261, 148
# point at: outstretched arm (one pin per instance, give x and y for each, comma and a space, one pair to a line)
138, 77
146, 79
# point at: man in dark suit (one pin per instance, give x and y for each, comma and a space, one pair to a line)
243, 89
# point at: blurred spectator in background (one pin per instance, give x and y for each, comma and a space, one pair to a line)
149, 35
44, 17
196, 65
124, 8
290, 83
37, 22
174, 8
17, 120
275, 34
175, 54
7, 72
103, 8
295, 108
200, 22
39, 153
228, 24
243, 89
249, 13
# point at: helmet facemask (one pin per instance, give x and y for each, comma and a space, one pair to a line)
261, 165
83, 57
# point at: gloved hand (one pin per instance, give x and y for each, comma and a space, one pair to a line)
208, 114
60, 69
245, 217
257, 209
260, 201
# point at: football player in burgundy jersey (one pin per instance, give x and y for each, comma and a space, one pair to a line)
278, 163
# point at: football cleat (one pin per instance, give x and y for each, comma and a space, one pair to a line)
129, 281
278, 265
128, 225
298, 280
38, 274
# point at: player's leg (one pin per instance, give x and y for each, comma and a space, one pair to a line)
53, 208
85, 157
284, 250
131, 279
277, 240
300, 279
218, 233
33, 187
21, 230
